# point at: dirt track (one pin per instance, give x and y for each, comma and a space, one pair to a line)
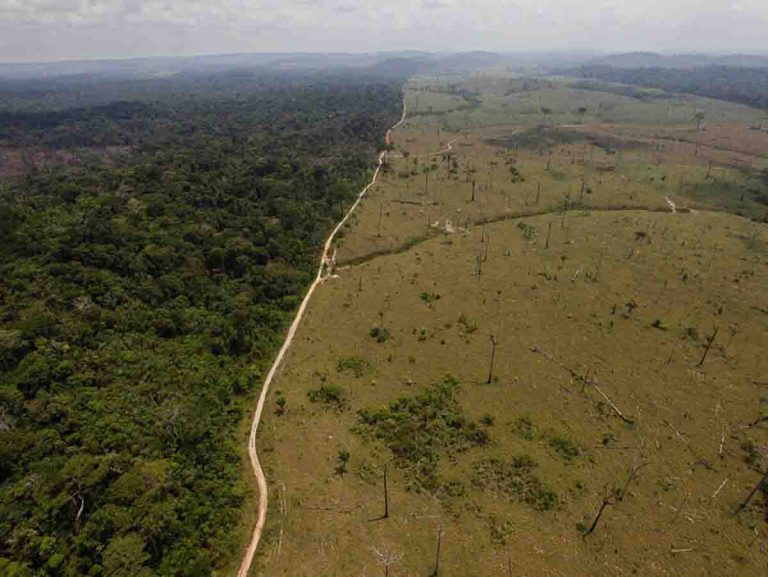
322, 274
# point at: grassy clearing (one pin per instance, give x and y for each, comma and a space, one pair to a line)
601, 305
533, 163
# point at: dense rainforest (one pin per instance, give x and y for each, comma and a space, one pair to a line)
735, 84
143, 293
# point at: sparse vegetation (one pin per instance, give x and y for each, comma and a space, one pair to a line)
429, 297
523, 426
515, 480
466, 325
563, 446
355, 365
576, 342
422, 429
379, 334
328, 394
342, 460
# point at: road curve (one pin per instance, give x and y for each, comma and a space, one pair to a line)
448, 148
325, 262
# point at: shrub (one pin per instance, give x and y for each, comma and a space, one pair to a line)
418, 430
429, 297
467, 326
691, 333
564, 447
328, 394
527, 229
523, 426
516, 481
355, 365
342, 459
380, 334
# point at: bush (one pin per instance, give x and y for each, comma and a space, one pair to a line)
467, 326
523, 426
429, 297
355, 365
380, 334
487, 420
342, 459
564, 447
328, 394
419, 430
516, 481
691, 333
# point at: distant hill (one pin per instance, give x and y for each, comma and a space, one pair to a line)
401, 67
632, 60
471, 60
387, 63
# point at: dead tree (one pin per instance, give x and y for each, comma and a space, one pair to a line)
616, 494
386, 559
386, 495
760, 485
608, 500
494, 342
549, 233
436, 571
710, 340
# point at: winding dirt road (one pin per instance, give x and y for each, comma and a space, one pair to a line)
448, 148
323, 271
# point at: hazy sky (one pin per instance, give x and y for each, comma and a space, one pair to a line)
63, 29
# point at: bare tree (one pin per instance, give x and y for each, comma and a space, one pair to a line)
387, 559
386, 494
699, 118
710, 340
494, 342
616, 495
440, 532
760, 484
549, 233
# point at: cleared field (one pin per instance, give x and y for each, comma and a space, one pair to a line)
598, 305
514, 169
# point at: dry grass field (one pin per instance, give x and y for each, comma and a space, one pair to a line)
614, 265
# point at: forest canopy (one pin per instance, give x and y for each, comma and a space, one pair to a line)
735, 84
141, 296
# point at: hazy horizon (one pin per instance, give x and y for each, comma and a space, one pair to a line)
59, 30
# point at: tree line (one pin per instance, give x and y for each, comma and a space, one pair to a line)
735, 84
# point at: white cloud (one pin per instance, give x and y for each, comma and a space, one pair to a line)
42, 29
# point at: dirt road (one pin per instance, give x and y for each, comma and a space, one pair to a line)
322, 274
671, 204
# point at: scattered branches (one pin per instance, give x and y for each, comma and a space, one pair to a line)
585, 380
